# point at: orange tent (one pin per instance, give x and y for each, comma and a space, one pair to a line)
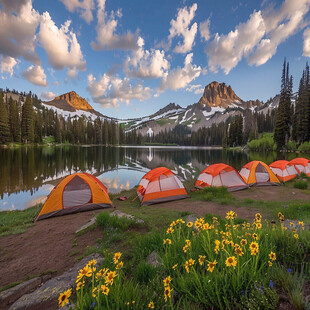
160, 185
283, 170
301, 165
76, 193
221, 175
258, 173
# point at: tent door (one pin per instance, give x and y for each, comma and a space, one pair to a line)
76, 193
261, 174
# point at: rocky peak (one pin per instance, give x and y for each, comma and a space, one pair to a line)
167, 108
218, 95
75, 101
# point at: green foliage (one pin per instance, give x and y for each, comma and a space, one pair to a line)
291, 146
216, 194
4, 122
16, 222
304, 147
266, 143
144, 272
301, 184
104, 220
27, 126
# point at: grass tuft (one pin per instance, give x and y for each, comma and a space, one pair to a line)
300, 184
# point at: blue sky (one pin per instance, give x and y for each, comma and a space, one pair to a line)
131, 58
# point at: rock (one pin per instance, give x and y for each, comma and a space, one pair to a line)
10, 295
91, 222
48, 293
152, 259
120, 214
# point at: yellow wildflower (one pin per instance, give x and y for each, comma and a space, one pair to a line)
116, 258
110, 277
173, 224
185, 248
300, 223
254, 248
63, 298
272, 256
296, 236
85, 272
94, 291
269, 263
167, 241
239, 251
231, 261
151, 305
167, 292
188, 242
243, 242
211, 266
105, 290
258, 225
255, 236
93, 262
119, 265
170, 230
201, 259
191, 262
101, 273
79, 285
174, 266
189, 224
231, 215
167, 281
206, 226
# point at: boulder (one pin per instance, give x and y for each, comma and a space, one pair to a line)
152, 259
46, 297
120, 214
91, 222
192, 218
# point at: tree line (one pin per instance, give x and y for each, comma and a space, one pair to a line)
29, 122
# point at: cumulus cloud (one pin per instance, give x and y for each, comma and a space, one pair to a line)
84, 8
61, 45
257, 39
107, 38
204, 29
196, 89
7, 64
111, 90
180, 77
35, 75
306, 48
18, 24
181, 27
48, 95
146, 64
226, 51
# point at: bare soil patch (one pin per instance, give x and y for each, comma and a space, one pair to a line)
48, 245
275, 193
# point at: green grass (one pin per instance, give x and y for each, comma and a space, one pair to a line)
16, 222
49, 139
300, 184
216, 194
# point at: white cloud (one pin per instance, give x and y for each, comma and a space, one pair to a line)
181, 27
61, 45
84, 7
111, 90
35, 75
196, 89
146, 64
18, 24
204, 29
306, 48
106, 31
257, 39
7, 64
48, 95
280, 25
180, 77
226, 51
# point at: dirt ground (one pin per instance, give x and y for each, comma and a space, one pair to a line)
46, 246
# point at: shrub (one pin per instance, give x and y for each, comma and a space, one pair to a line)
104, 220
145, 272
291, 146
265, 143
304, 147
300, 184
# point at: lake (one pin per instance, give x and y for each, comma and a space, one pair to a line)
28, 174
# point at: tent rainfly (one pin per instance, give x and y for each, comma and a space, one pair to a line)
76, 193
301, 165
218, 175
283, 170
160, 185
258, 173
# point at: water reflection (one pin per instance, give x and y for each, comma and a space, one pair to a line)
28, 174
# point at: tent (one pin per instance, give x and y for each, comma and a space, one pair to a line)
301, 165
258, 173
76, 193
221, 175
283, 170
159, 185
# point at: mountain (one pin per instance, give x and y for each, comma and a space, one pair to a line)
72, 102
218, 95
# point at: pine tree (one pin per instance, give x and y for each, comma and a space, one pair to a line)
14, 120
27, 127
57, 130
4, 122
